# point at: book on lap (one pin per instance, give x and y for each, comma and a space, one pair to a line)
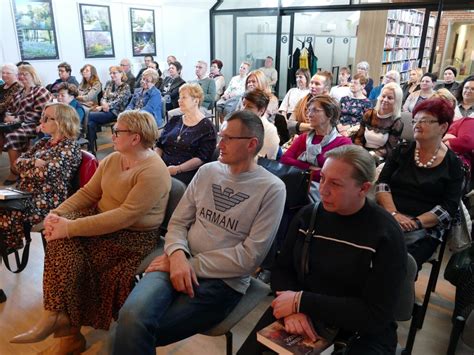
276, 338
8, 193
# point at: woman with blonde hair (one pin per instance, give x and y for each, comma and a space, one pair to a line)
99, 236
187, 140
90, 86
26, 109
381, 127
115, 99
46, 171
413, 83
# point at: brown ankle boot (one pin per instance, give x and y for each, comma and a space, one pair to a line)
68, 345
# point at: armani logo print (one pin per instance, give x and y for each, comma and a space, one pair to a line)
225, 200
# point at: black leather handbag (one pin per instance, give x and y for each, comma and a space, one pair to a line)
296, 181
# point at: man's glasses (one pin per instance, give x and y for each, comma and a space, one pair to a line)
227, 139
115, 131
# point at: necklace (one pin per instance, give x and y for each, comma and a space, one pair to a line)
181, 131
429, 162
128, 164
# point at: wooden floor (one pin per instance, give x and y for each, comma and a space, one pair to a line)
24, 306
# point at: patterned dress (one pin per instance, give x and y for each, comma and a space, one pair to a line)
7, 96
353, 109
50, 186
27, 108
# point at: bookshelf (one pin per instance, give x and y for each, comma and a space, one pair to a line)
402, 42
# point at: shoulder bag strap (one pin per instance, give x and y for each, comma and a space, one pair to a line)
304, 264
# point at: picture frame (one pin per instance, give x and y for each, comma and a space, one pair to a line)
35, 29
142, 24
96, 28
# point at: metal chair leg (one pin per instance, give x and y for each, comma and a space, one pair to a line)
417, 311
458, 327
228, 343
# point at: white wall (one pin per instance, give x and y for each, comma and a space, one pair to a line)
182, 30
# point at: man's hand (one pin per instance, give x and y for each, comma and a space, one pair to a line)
160, 263
300, 323
182, 274
283, 304
406, 223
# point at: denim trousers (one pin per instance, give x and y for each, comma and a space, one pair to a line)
155, 314
95, 119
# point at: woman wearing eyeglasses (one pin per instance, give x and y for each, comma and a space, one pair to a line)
116, 96
148, 97
307, 151
46, 171
465, 97
187, 140
98, 237
420, 184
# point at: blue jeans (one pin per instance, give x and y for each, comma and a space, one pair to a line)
96, 119
155, 314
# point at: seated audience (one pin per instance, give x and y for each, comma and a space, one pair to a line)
294, 95
26, 108
427, 83
156, 66
207, 84
449, 76
171, 84
90, 86
352, 270
67, 94
413, 83
308, 151
232, 93
465, 97
392, 76
169, 59
447, 95
127, 68
270, 73
187, 140
148, 97
460, 139
99, 236
9, 88
320, 84
205, 268
64, 71
115, 99
343, 87
353, 107
46, 171
215, 73
381, 127
257, 80
257, 100
420, 184
363, 68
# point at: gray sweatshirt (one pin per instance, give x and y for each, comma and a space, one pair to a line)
226, 223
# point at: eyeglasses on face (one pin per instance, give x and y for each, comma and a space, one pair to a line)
47, 118
423, 122
226, 139
116, 131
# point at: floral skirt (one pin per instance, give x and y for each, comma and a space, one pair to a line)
89, 278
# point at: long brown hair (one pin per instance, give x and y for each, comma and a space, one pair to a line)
94, 76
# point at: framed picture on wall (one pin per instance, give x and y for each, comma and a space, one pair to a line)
143, 32
96, 31
35, 29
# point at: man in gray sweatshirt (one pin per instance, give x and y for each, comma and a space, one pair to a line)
218, 235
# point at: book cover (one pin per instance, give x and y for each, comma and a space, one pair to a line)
11, 194
277, 339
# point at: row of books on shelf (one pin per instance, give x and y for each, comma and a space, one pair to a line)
400, 28
401, 42
399, 54
410, 16
399, 66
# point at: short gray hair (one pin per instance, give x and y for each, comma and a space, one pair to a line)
10, 66
363, 65
203, 63
359, 158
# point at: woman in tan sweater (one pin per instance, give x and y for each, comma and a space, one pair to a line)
98, 237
